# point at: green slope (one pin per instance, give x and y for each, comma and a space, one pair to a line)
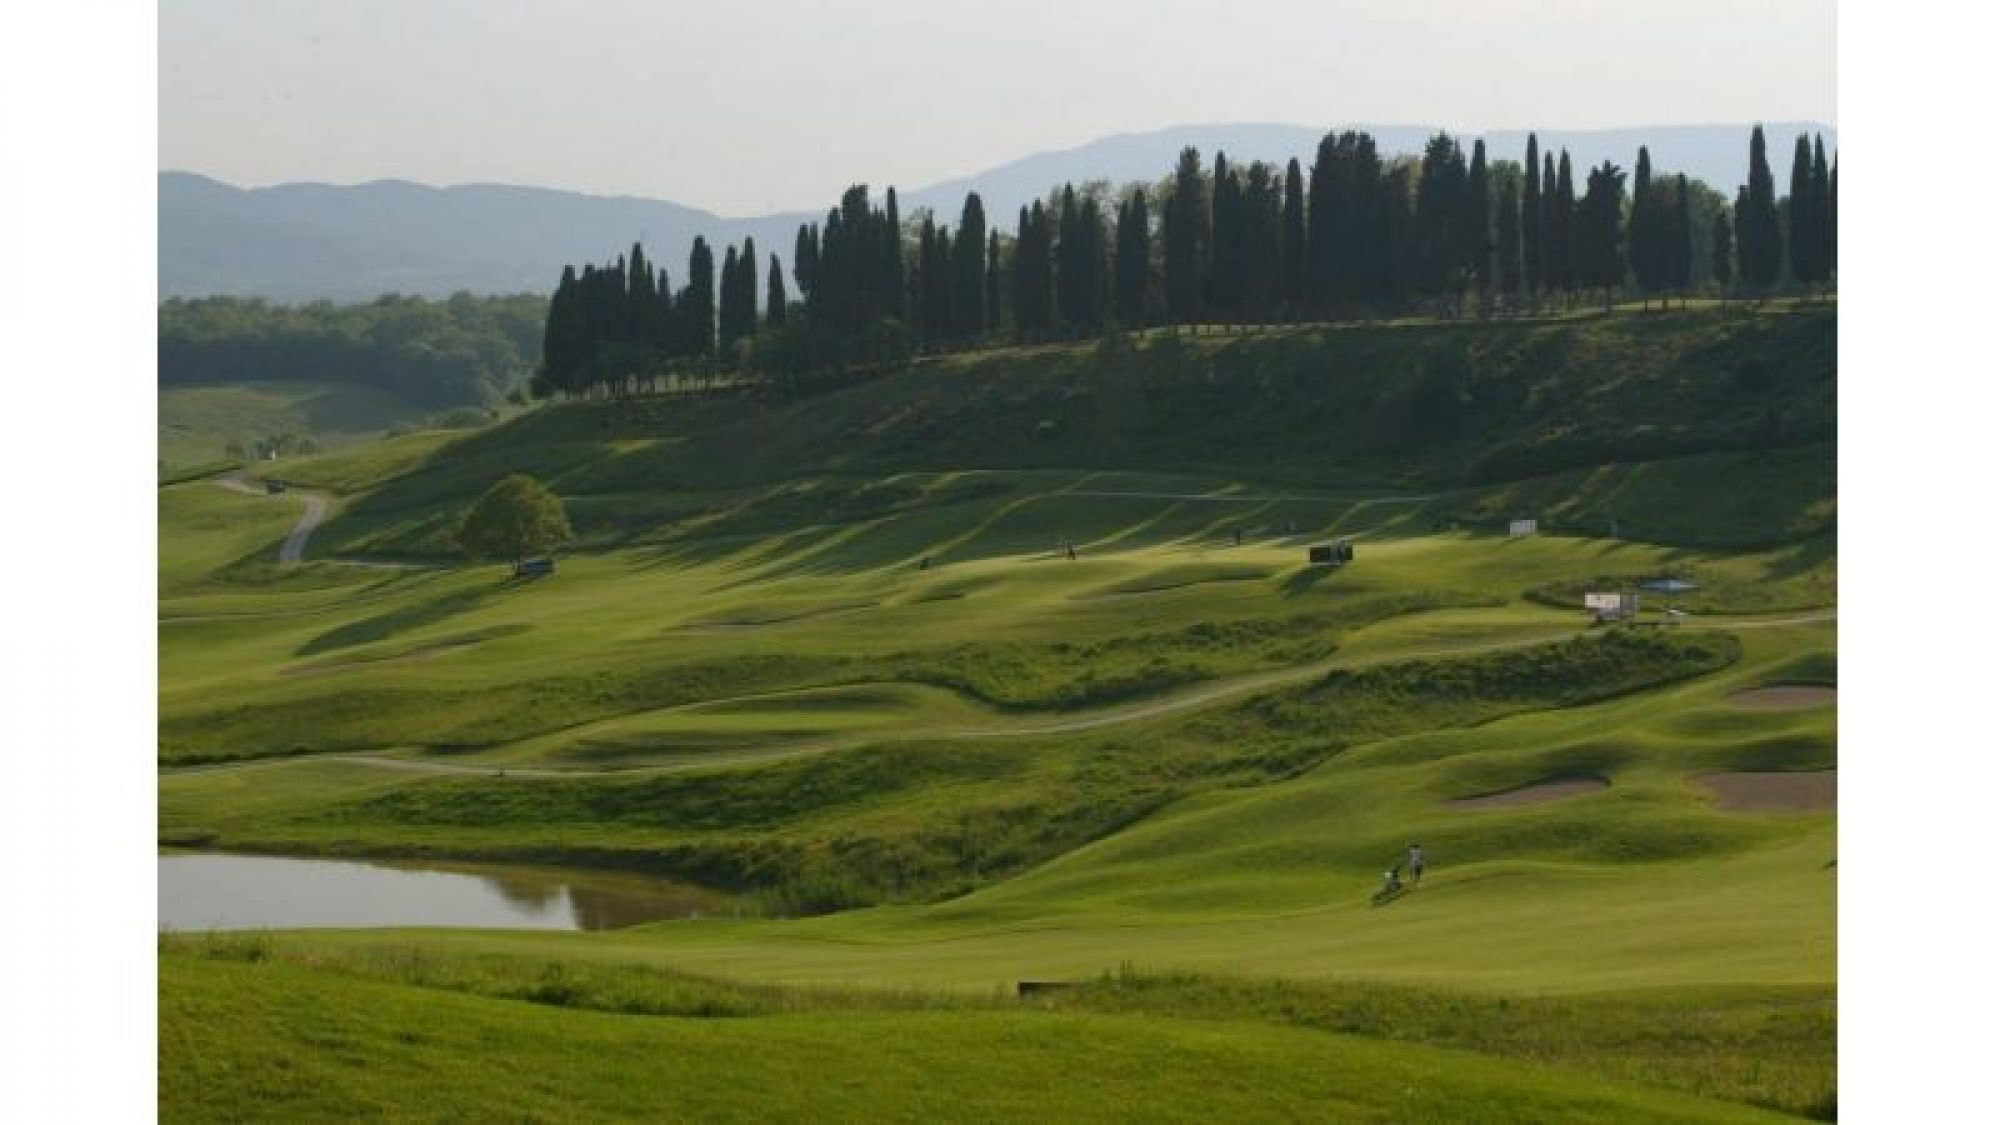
1405, 407
829, 655
269, 1041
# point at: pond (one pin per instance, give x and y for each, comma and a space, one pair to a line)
206, 891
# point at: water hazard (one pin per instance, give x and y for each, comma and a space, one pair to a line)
239, 892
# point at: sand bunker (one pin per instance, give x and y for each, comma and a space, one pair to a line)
1785, 697
1774, 791
1535, 794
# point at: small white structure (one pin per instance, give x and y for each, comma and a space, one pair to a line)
1517, 529
1612, 607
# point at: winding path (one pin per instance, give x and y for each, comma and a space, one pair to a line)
292, 552
1210, 693
294, 549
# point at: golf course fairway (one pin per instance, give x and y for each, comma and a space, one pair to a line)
917, 754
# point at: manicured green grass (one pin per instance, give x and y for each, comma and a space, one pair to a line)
269, 1040
804, 652
1765, 1046
645, 629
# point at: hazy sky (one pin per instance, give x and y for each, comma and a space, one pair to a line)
750, 106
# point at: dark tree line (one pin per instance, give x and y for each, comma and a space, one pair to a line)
1350, 235
463, 351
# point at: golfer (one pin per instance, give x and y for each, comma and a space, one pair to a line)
1415, 863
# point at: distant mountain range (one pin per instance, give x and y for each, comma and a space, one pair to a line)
299, 242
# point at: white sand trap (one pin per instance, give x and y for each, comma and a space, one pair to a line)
1535, 794
1785, 697
1773, 791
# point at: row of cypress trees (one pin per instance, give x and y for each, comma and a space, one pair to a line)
1352, 235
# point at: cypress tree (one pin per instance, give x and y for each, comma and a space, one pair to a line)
1397, 242
1722, 248
1681, 252
943, 286
1531, 219
968, 296
1347, 242
638, 297
1032, 269
831, 293
1262, 249
894, 283
664, 336
1833, 221
1599, 261
746, 300
923, 307
1740, 214
1292, 252
1561, 204
1133, 253
1045, 273
729, 312
1186, 240
1374, 224
1643, 245
774, 294
993, 290
1440, 217
1320, 282
1226, 250
1068, 261
564, 337
667, 321
1024, 251
1803, 223
1822, 232
1479, 221
1093, 290
849, 260
1507, 233
698, 304
1757, 220
1017, 274
805, 260
601, 295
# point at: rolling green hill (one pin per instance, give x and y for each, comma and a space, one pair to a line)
830, 657
1667, 404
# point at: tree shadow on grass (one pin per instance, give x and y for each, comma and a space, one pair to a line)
1306, 578
382, 626
1805, 556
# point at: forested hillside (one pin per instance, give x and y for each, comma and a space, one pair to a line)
436, 354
